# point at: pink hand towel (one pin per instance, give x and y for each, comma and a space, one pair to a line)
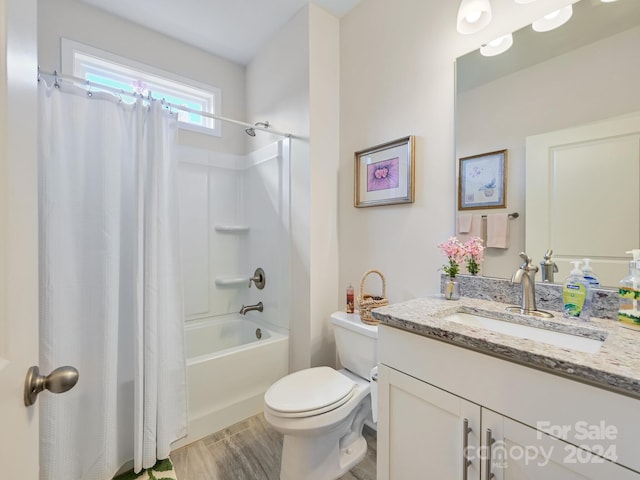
476, 226
464, 222
498, 230
469, 226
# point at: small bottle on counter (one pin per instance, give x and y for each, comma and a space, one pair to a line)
589, 275
629, 293
350, 305
577, 294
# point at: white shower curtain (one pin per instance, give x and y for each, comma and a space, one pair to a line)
111, 294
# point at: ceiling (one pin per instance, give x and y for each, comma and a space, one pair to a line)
233, 29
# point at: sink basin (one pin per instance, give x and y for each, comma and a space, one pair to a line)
543, 335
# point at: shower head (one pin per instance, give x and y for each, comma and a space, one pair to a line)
252, 131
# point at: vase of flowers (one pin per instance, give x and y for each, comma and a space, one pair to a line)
451, 289
474, 254
454, 250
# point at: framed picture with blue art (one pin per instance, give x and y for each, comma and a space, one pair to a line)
482, 181
384, 174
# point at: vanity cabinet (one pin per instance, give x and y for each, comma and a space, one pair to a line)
520, 452
445, 412
425, 430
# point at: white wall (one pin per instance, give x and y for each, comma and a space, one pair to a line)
85, 24
278, 91
563, 92
293, 82
324, 109
397, 79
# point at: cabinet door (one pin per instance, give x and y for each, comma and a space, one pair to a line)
421, 430
519, 452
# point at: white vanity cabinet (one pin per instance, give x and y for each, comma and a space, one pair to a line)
424, 430
520, 452
436, 398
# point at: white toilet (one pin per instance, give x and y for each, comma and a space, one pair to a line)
321, 411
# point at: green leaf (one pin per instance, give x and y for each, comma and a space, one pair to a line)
163, 466
130, 475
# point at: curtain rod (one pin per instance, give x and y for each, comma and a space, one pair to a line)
58, 77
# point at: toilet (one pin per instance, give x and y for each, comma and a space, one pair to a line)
321, 411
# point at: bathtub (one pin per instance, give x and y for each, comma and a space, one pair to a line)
231, 362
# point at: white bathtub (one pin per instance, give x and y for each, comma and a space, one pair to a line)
228, 371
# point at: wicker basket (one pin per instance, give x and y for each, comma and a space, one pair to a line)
368, 302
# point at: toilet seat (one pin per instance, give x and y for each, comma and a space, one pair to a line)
309, 392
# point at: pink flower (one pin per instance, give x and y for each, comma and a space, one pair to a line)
471, 252
474, 254
455, 252
474, 249
453, 249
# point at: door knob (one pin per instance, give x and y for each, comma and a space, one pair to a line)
58, 381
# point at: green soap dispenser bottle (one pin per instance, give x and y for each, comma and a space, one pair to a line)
629, 292
576, 294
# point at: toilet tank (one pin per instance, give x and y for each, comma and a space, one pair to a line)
356, 343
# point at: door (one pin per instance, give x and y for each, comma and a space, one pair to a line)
18, 236
424, 432
583, 196
520, 452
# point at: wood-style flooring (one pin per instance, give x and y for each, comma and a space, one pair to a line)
250, 450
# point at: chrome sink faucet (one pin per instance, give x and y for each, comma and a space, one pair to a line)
257, 307
526, 276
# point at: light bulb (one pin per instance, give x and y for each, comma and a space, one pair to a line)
497, 46
473, 16
553, 20
552, 15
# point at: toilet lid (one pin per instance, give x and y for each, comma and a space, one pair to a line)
314, 390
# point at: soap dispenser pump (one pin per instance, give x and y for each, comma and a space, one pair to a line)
589, 274
576, 293
549, 267
629, 292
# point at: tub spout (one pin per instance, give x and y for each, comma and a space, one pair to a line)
259, 307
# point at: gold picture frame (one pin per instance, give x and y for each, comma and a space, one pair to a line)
482, 181
384, 174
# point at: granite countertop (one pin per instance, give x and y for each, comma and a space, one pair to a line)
615, 366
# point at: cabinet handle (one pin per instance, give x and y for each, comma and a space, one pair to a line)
489, 441
466, 430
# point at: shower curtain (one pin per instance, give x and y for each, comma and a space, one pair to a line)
110, 283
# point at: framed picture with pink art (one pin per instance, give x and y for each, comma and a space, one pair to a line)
384, 174
482, 181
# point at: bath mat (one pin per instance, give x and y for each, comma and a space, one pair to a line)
162, 470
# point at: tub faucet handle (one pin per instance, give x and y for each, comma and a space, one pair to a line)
259, 278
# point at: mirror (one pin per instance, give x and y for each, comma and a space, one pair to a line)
583, 72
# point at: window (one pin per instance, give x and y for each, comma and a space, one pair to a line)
103, 68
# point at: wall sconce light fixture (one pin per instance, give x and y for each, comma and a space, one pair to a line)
473, 16
553, 20
497, 46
